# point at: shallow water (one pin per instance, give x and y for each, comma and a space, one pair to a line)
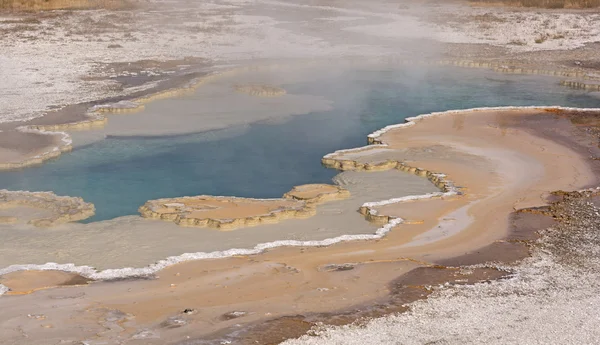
137, 242
267, 158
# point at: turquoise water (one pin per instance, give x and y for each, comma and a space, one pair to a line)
265, 160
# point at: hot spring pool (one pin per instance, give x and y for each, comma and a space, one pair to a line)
267, 158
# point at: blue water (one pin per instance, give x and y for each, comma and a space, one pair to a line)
267, 159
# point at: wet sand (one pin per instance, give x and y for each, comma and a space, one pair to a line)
503, 160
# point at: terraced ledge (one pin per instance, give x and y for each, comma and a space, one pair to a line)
260, 90
317, 193
374, 138
335, 161
63, 209
580, 85
508, 68
65, 145
230, 213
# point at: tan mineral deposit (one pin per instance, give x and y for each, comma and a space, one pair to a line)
229, 213
62, 209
